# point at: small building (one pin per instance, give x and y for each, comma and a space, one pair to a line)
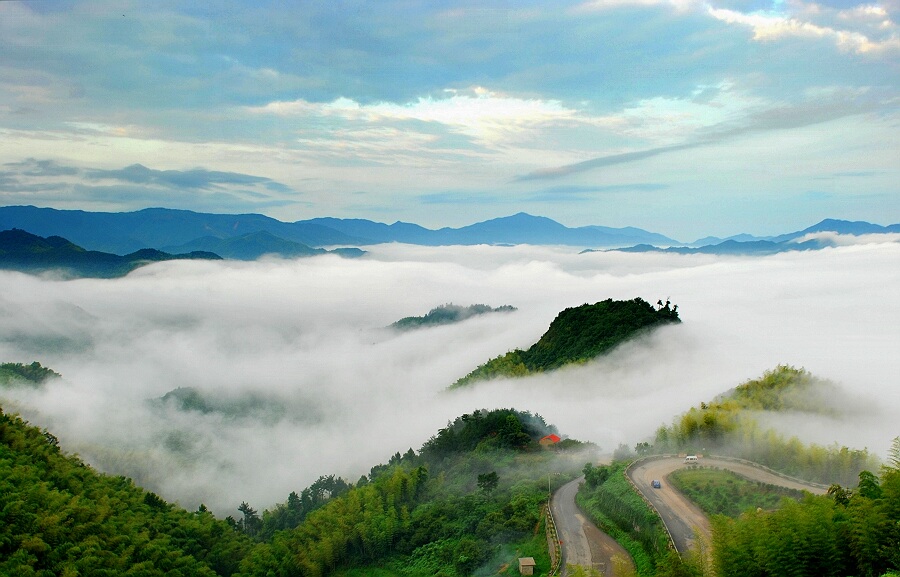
549, 440
526, 565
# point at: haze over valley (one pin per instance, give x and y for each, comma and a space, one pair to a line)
302, 379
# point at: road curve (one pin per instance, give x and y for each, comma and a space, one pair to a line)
583, 544
683, 517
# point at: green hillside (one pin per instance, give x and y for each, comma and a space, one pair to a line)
18, 374
577, 335
470, 498
25, 252
730, 425
60, 517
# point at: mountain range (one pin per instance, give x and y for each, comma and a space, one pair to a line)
168, 229
248, 236
810, 238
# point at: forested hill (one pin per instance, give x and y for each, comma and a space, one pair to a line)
26, 252
60, 517
738, 423
29, 375
577, 335
470, 498
448, 314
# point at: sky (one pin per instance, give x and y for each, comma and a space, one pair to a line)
303, 344
684, 117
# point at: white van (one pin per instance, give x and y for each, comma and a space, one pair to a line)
690, 459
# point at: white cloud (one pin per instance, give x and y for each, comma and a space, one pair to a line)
775, 26
836, 239
306, 336
486, 115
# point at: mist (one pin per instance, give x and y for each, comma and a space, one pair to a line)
304, 379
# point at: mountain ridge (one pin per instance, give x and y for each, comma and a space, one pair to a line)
163, 228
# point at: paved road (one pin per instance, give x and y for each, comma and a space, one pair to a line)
583, 544
680, 515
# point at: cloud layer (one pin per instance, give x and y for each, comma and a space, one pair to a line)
332, 391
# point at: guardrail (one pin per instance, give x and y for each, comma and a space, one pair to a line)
553, 539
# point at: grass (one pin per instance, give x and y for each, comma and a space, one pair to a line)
720, 492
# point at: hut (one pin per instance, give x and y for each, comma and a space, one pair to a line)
549, 441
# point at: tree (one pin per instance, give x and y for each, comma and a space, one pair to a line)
894, 455
466, 556
840, 495
488, 481
595, 476
250, 523
868, 485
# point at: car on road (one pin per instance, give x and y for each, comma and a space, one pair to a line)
656, 484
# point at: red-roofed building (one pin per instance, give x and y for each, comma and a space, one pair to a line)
549, 440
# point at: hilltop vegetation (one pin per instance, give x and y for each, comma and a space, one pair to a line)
448, 314
470, 497
29, 375
577, 335
729, 425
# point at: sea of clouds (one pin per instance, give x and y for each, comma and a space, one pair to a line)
331, 390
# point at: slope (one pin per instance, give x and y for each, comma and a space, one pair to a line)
59, 517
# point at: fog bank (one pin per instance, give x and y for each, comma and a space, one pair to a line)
319, 385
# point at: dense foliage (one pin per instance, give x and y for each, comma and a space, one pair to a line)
59, 517
577, 335
485, 430
18, 373
728, 425
848, 532
720, 492
473, 496
448, 314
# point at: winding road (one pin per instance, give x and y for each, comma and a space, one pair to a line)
583, 544
682, 517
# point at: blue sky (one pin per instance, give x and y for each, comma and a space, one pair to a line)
685, 117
